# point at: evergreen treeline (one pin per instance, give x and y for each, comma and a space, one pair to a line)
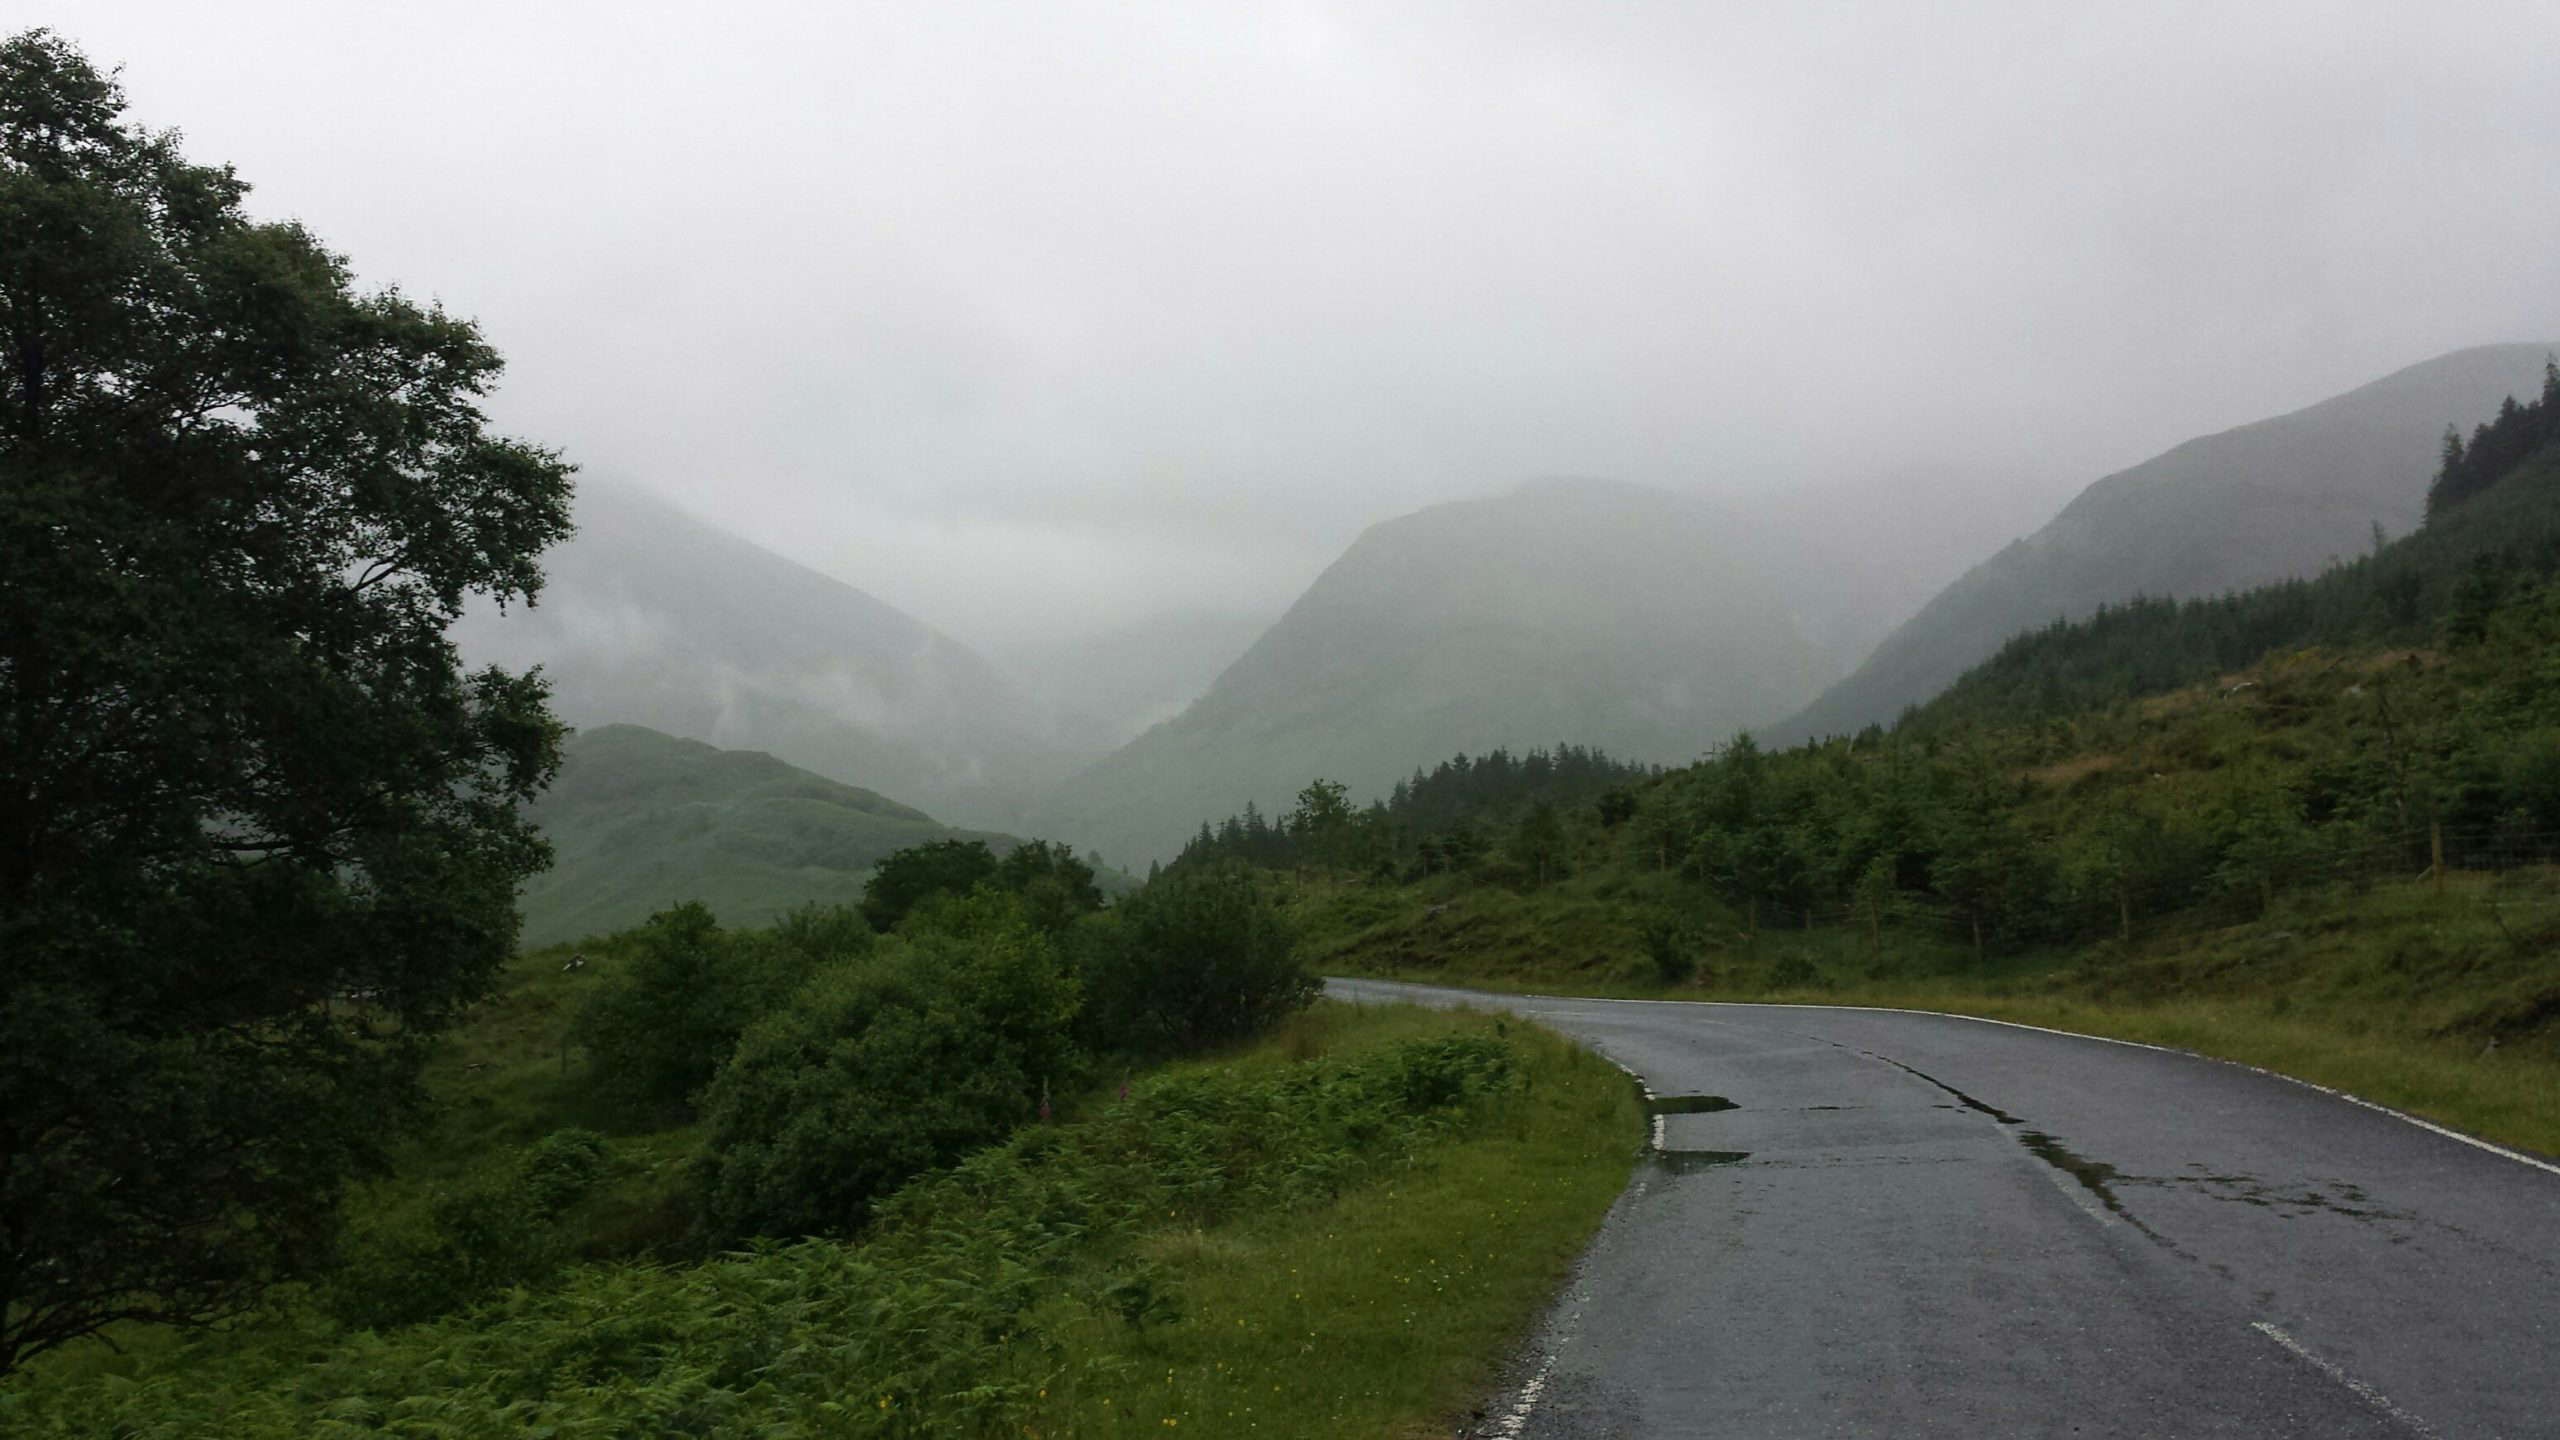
1427, 820
2497, 445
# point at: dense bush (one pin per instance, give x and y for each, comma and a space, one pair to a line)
500, 1230
1053, 885
682, 991
918, 873
1201, 957
941, 1041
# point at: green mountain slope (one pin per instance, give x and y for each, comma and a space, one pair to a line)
2463, 563
654, 618
1608, 615
2281, 498
640, 821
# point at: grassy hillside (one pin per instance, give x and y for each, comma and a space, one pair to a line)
1609, 615
2282, 498
640, 821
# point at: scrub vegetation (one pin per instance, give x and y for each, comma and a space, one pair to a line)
1333, 1230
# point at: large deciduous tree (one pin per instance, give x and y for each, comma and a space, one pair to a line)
259, 832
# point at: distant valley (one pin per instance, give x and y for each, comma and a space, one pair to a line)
652, 617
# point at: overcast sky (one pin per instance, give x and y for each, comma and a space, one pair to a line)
1026, 316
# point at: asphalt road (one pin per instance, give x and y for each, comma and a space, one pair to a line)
1922, 1225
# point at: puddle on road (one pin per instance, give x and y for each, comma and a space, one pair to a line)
1687, 1162
1995, 1112
1687, 1105
2095, 1176
2338, 1197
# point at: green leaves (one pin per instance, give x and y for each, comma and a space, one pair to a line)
941, 1041
259, 835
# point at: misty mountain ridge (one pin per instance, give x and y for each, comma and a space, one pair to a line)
651, 617
1647, 624
2277, 499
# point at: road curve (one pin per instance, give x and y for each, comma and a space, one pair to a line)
1921, 1225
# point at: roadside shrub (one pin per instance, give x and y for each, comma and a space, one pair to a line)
659, 1026
943, 1041
1793, 971
1201, 957
1673, 943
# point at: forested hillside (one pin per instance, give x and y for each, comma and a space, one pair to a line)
2283, 498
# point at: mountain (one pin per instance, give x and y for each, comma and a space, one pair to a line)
2281, 498
2423, 591
1119, 681
1590, 612
639, 821
651, 617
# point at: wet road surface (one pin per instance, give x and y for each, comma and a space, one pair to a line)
1900, 1224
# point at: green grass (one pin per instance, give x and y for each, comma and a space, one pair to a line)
2444, 1004
1387, 1311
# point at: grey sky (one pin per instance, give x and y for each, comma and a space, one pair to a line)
1027, 316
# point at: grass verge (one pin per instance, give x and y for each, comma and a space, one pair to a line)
1387, 1311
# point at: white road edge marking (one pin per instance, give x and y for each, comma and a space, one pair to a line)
2474, 1141
1649, 1096
1510, 1426
2364, 1392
